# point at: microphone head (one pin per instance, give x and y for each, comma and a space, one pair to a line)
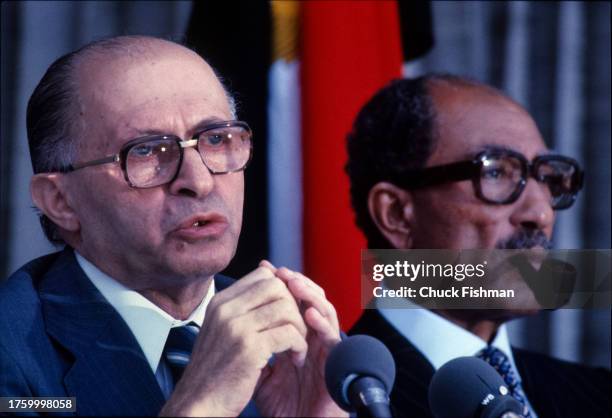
357, 356
468, 387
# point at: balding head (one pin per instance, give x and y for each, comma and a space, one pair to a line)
141, 110
399, 130
56, 119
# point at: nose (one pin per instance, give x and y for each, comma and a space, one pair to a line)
533, 210
193, 179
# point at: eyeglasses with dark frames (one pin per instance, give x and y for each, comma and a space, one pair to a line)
153, 160
500, 176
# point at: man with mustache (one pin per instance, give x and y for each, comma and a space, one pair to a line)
138, 161
442, 162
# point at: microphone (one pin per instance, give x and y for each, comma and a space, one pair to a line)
468, 387
359, 375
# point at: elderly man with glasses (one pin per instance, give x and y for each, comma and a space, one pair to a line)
138, 163
442, 162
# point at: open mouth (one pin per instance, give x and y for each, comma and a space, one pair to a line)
204, 225
199, 224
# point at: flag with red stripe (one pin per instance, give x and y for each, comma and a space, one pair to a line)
349, 50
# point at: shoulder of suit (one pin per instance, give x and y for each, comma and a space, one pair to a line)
19, 293
20, 288
20, 307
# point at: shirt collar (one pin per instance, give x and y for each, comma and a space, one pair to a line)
147, 321
438, 339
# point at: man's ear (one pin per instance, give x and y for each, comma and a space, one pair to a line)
391, 209
49, 196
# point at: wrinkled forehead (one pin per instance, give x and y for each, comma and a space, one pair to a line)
471, 119
165, 89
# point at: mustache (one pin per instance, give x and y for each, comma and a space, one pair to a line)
524, 239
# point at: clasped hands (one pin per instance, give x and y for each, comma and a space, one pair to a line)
269, 312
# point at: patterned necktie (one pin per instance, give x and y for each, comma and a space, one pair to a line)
501, 363
178, 348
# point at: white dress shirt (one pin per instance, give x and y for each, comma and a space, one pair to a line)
440, 340
147, 321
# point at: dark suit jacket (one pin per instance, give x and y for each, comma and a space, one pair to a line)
60, 337
554, 388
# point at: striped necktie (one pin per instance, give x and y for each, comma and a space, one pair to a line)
501, 363
177, 350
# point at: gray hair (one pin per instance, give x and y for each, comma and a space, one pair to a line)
52, 123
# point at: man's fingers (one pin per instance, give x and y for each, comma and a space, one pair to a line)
308, 292
259, 290
287, 275
246, 281
312, 298
267, 264
311, 283
274, 314
326, 332
284, 338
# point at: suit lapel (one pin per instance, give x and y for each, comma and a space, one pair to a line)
110, 375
